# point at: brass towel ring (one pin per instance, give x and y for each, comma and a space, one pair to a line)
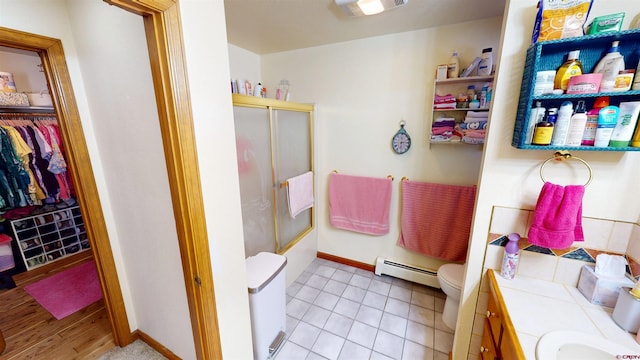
559, 156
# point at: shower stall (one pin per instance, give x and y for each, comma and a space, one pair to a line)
274, 142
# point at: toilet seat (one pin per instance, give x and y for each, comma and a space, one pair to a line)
452, 274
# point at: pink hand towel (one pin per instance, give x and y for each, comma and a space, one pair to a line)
359, 204
557, 218
436, 219
300, 193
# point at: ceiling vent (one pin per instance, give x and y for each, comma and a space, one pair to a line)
368, 7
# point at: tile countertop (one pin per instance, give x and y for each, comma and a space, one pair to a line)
537, 307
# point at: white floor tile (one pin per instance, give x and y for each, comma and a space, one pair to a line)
296, 308
374, 300
393, 324
422, 315
335, 287
362, 334
317, 281
338, 324
307, 293
400, 293
326, 300
378, 356
354, 293
353, 351
419, 333
413, 351
291, 351
369, 316
389, 345
422, 299
342, 275
346, 307
380, 287
316, 316
360, 281
305, 335
325, 271
328, 345
443, 341
397, 307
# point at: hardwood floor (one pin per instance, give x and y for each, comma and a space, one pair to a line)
30, 332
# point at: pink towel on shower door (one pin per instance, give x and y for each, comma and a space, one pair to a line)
359, 204
557, 218
436, 219
300, 193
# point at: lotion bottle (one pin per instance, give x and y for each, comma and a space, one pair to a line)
544, 129
577, 125
610, 65
561, 128
536, 116
486, 62
589, 135
453, 68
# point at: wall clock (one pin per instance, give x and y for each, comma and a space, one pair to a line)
401, 141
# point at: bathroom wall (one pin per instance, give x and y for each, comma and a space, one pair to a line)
510, 177
362, 90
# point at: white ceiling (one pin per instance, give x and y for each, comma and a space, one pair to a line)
268, 26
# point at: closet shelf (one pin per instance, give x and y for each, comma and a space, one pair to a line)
27, 109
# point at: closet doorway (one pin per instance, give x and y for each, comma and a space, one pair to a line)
70, 127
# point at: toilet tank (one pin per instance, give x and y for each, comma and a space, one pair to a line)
267, 302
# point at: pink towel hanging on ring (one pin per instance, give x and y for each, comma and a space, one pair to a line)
436, 219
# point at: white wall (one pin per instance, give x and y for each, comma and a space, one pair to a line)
363, 89
510, 177
24, 68
205, 40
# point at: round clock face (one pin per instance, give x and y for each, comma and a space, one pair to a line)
401, 142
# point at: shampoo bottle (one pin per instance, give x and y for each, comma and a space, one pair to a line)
571, 67
577, 125
453, 68
510, 258
589, 135
561, 127
544, 129
486, 62
536, 116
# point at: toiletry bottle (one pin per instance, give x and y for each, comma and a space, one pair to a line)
453, 68
561, 127
483, 96
486, 62
471, 91
607, 119
609, 66
489, 94
626, 124
635, 140
577, 125
589, 135
536, 116
510, 258
474, 103
571, 67
636, 79
544, 130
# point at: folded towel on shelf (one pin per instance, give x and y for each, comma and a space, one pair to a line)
477, 114
476, 125
557, 217
436, 219
300, 193
359, 204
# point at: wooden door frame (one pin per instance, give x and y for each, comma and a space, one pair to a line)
166, 55
79, 166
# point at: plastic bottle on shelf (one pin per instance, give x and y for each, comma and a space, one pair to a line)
577, 125
510, 258
486, 62
536, 116
471, 91
610, 65
589, 134
483, 96
544, 129
453, 68
571, 67
561, 127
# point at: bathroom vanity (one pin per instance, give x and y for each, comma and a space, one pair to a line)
522, 310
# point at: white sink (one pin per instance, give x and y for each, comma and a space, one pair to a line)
571, 345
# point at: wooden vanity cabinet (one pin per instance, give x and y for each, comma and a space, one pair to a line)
499, 340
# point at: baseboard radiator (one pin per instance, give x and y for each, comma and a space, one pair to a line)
407, 272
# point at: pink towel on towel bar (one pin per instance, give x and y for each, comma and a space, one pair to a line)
557, 218
436, 219
359, 204
300, 193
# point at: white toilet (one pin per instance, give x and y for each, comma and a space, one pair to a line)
450, 279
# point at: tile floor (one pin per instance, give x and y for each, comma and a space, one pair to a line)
335, 311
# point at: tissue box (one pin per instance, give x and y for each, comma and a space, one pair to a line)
599, 290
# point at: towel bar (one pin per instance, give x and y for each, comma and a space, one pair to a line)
559, 156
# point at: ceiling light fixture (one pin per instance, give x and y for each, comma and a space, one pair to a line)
368, 7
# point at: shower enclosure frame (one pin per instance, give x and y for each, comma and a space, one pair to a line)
279, 114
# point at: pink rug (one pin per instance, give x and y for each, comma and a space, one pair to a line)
64, 293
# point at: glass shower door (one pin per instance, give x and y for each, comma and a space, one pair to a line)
253, 146
292, 157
